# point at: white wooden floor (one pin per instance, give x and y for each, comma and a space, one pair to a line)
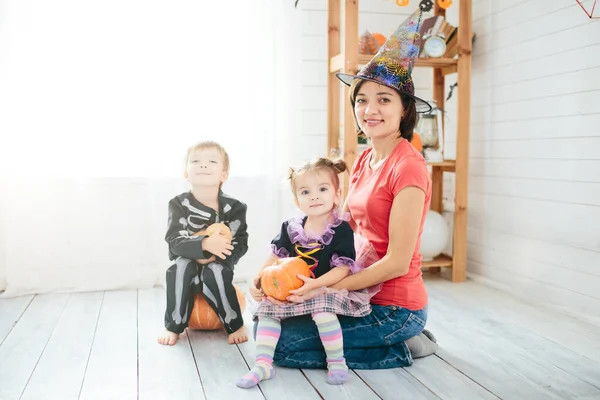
103, 346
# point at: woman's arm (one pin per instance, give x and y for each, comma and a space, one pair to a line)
352, 223
405, 221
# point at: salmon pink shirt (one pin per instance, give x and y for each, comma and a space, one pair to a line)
370, 197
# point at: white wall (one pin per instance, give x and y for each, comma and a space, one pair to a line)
3, 188
95, 121
534, 185
73, 235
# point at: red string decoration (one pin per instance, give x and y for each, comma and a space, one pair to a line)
591, 13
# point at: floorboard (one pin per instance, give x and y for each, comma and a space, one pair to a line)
103, 345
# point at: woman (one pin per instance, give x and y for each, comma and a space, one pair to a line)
388, 198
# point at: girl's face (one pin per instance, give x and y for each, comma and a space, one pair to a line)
378, 110
315, 193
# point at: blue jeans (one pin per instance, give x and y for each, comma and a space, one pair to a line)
375, 341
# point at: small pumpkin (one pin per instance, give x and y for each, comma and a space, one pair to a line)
379, 39
214, 228
204, 318
211, 230
278, 279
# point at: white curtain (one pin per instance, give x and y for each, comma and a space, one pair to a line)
99, 101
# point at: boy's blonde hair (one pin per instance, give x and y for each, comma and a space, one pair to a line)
209, 144
319, 164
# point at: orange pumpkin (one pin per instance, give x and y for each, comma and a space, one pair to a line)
204, 318
278, 279
211, 230
416, 141
379, 38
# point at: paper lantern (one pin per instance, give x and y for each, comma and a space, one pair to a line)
435, 235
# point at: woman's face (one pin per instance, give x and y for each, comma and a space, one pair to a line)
378, 110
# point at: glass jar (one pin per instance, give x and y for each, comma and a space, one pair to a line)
428, 130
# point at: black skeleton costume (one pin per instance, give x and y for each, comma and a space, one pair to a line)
186, 277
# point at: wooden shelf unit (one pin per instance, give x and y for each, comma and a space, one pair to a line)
349, 62
448, 64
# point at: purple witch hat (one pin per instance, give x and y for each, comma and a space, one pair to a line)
392, 65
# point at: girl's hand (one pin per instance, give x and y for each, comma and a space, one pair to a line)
307, 296
255, 290
309, 285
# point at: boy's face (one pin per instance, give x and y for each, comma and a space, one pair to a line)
315, 193
205, 168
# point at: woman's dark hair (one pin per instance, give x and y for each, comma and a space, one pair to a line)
408, 119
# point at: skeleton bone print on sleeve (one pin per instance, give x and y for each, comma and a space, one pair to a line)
196, 220
233, 225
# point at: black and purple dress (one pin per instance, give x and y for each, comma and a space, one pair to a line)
335, 247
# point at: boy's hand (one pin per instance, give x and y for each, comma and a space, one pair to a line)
218, 245
204, 261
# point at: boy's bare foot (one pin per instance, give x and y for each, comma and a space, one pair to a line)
168, 338
239, 336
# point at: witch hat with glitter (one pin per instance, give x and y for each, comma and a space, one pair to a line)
392, 65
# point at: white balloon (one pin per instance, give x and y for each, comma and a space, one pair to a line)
435, 235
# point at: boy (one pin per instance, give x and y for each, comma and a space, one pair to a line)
204, 264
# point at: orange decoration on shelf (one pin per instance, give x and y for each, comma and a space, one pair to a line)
204, 318
278, 279
445, 4
416, 142
379, 39
402, 3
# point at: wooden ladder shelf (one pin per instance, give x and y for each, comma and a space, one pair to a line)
349, 62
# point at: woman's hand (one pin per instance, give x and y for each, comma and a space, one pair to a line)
309, 285
255, 290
